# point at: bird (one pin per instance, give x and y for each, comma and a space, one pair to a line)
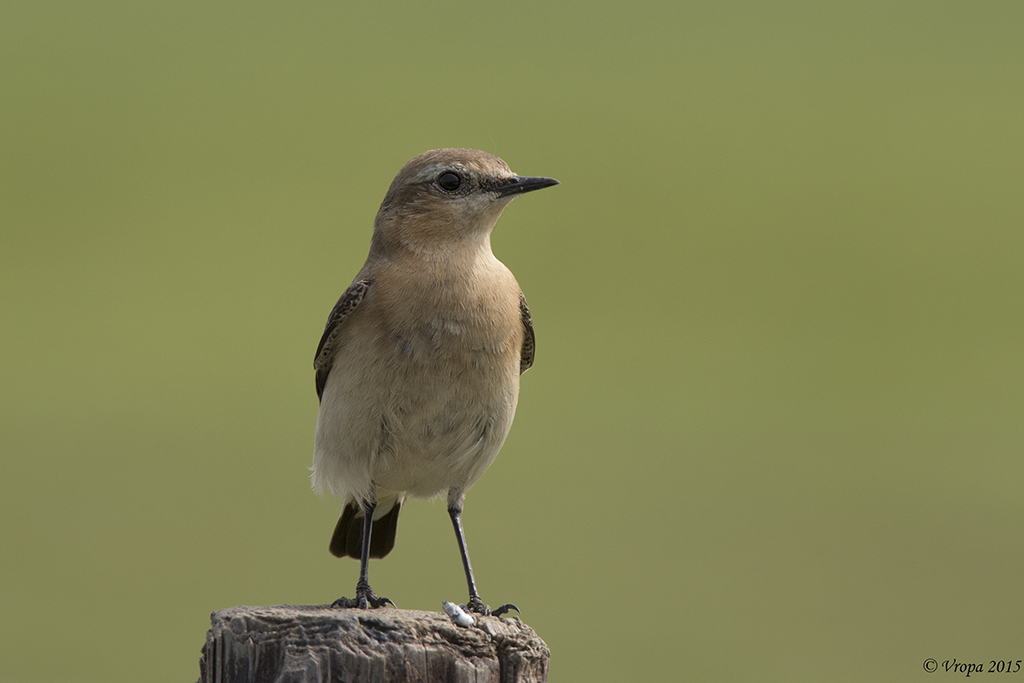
417, 372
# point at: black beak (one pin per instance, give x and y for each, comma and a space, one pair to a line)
520, 184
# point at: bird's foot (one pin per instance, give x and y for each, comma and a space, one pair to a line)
477, 605
363, 602
365, 599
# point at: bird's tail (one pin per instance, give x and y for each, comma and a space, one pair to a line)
348, 534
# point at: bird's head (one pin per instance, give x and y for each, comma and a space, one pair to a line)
447, 197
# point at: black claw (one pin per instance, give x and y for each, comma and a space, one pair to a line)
504, 609
346, 603
477, 605
381, 602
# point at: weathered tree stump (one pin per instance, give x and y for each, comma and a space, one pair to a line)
299, 644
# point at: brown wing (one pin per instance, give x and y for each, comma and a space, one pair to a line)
529, 341
324, 358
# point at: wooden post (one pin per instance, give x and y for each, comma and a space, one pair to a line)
322, 644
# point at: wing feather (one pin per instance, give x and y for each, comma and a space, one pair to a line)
324, 359
529, 341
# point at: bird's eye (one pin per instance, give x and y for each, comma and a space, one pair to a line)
449, 181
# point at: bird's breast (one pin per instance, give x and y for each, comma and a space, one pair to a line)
466, 318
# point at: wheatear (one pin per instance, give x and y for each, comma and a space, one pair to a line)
418, 368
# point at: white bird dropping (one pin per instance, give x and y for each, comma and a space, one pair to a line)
458, 615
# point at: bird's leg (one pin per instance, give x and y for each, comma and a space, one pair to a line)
475, 604
365, 597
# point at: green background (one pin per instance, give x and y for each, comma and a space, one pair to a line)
775, 426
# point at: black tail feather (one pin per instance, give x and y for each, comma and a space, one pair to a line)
348, 534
